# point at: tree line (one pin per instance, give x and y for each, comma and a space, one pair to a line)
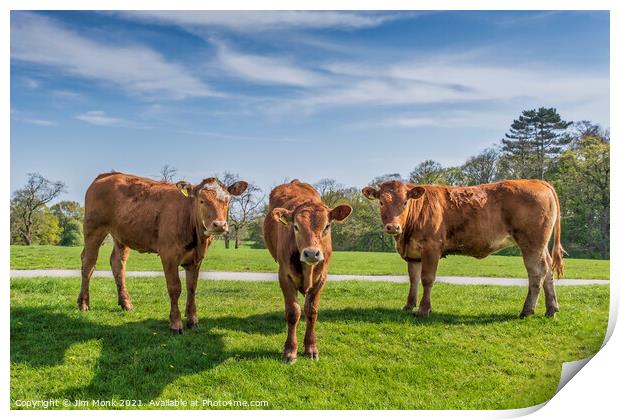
539, 144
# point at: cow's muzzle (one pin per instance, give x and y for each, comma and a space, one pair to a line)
218, 226
393, 229
311, 256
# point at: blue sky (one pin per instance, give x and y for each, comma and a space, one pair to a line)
277, 95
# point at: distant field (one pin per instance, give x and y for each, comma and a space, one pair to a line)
258, 260
471, 353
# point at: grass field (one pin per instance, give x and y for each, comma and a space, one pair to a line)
259, 260
471, 353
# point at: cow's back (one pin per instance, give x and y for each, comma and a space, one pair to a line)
485, 218
135, 209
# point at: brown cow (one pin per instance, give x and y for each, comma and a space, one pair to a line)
175, 221
431, 221
298, 235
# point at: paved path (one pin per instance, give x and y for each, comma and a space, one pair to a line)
227, 275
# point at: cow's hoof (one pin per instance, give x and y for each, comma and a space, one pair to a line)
525, 314
175, 331
82, 303
192, 325
408, 307
288, 358
313, 355
423, 312
126, 306
551, 312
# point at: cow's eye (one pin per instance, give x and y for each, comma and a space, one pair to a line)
296, 228
381, 203
201, 201
326, 228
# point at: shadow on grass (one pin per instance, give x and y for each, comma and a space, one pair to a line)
138, 359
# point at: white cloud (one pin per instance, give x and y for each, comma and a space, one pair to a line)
35, 121
450, 79
247, 21
263, 69
101, 118
31, 83
137, 69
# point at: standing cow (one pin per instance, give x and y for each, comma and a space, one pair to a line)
431, 221
175, 221
297, 232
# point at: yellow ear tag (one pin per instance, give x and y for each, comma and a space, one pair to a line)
283, 220
184, 192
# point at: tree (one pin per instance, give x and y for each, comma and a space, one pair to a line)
534, 138
329, 190
72, 234
46, 230
427, 172
30, 200
582, 180
386, 177
66, 211
168, 173
482, 168
243, 209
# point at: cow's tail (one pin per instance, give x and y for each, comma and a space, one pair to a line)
557, 252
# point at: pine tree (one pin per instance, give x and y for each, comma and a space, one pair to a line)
534, 137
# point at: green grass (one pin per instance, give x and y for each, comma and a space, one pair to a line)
471, 353
259, 260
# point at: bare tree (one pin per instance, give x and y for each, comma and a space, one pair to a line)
243, 209
330, 190
168, 173
386, 177
482, 168
29, 200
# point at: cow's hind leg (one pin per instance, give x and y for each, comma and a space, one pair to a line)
92, 242
537, 270
551, 301
118, 261
415, 274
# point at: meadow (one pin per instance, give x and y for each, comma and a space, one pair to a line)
471, 353
247, 259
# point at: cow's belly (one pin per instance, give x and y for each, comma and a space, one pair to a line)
480, 247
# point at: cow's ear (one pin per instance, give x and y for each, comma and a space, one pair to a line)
370, 193
186, 188
237, 188
415, 192
340, 213
283, 216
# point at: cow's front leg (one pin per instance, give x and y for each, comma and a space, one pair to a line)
173, 282
191, 280
415, 273
292, 313
430, 260
311, 310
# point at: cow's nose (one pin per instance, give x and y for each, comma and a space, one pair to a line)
393, 229
220, 225
311, 255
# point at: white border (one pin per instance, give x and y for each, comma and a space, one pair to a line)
593, 393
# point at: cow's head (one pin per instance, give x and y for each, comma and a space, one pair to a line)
311, 224
210, 200
393, 197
